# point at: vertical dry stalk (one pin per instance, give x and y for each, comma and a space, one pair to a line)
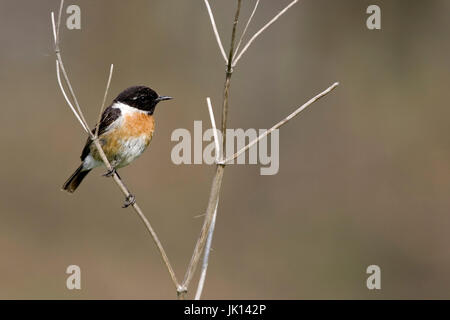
217, 180
211, 213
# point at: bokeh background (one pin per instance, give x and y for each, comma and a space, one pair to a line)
364, 174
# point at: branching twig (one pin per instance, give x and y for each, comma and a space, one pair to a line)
217, 180
281, 123
80, 117
246, 26
58, 76
201, 282
256, 35
207, 250
211, 212
216, 33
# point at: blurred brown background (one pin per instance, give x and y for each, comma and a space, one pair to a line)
364, 174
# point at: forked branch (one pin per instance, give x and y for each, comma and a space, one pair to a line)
211, 212
258, 33
281, 123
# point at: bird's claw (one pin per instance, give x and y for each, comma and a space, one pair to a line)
110, 173
129, 201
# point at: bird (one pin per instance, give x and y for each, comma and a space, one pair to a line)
125, 130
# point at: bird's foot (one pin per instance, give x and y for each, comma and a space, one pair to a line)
110, 173
129, 201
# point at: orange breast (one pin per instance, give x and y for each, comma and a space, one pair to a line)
134, 125
137, 124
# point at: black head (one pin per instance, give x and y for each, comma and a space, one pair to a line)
140, 97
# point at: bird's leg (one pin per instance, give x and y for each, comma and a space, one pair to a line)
129, 201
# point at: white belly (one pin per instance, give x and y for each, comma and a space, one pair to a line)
131, 149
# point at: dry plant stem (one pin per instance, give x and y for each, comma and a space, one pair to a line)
116, 178
216, 33
224, 162
256, 35
229, 73
72, 94
281, 123
217, 180
59, 22
207, 250
58, 75
213, 125
201, 282
246, 27
104, 100
213, 198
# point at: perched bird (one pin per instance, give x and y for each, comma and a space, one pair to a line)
125, 130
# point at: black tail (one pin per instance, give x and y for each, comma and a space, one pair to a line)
75, 179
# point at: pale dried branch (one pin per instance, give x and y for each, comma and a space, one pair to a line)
207, 249
58, 76
63, 69
212, 202
52, 17
216, 33
246, 27
104, 100
80, 117
281, 123
59, 20
201, 282
213, 124
256, 35
217, 180
223, 163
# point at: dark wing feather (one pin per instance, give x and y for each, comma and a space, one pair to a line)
108, 117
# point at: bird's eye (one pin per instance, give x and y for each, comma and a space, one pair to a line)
135, 98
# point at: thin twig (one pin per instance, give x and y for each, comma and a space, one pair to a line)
58, 76
245, 29
213, 198
207, 250
261, 31
59, 20
201, 282
96, 142
281, 123
104, 100
213, 124
55, 36
63, 69
216, 33
228, 74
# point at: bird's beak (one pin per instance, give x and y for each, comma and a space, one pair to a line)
162, 98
